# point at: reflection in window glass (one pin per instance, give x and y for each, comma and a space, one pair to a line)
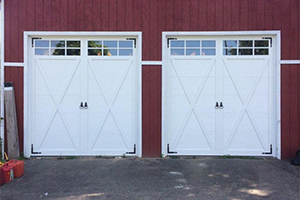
261, 52
58, 52
125, 52
41, 43
73, 43
245, 51
176, 52
110, 44
193, 43
230, 43
208, 52
41, 52
126, 44
73, 52
110, 52
208, 43
177, 43
245, 43
229, 51
192, 52
58, 43
261, 43
95, 52
95, 44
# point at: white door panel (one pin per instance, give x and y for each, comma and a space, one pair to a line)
194, 83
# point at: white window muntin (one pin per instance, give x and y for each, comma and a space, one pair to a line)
183, 49
117, 48
48, 49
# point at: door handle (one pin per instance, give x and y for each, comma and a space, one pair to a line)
217, 105
85, 105
81, 105
221, 105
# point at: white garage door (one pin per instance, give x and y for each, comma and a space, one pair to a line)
84, 97
219, 96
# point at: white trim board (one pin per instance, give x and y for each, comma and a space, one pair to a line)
151, 62
12, 64
2, 74
27, 50
277, 44
290, 62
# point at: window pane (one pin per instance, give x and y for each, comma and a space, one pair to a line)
58, 52
42, 52
261, 51
110, 44
208, 52
42, 43
208, 43
176, 52
125, 52
127, 44
110, 52
245, 43
192, 52
73, 52
177, 43
261, 43
193, 43
58, 43
245, 51
73, 43
229, 43
229, 51
95, 44
95, 52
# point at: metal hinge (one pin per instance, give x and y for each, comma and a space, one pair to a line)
168, 150
168, 41
134, 41
134, 150
32, 40
268, 38
32, 152
271, 150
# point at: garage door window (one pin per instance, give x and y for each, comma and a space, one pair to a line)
245, 47
110, 48
193, 47
57, 48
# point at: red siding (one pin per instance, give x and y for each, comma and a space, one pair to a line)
152, 17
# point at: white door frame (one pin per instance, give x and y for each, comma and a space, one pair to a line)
276, 35
27, 63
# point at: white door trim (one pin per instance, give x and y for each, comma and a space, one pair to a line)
277, 38
27, 78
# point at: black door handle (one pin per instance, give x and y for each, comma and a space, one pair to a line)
85, 105
217, 105
221, 105
81, 105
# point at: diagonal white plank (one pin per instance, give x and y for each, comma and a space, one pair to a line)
109, 108
57, 102
192, 103
245, 109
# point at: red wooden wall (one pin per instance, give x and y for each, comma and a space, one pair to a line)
152, 17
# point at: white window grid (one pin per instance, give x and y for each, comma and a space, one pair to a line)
50, 48
117, 48
253, 48
200, 48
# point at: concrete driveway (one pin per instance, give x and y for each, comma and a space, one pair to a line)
169, 178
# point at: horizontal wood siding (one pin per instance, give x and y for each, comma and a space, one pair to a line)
152, 17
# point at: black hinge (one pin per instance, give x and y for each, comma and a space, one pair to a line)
32, 152
168, 150
268, 38
134, 150
134, 41
271, 150
32, 40
168, 41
